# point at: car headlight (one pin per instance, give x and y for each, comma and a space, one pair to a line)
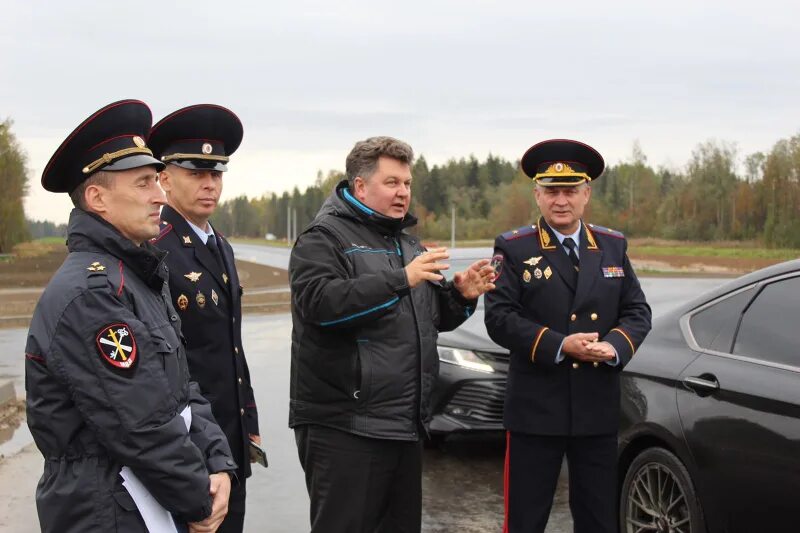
464, 358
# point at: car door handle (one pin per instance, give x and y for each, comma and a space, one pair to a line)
702, 385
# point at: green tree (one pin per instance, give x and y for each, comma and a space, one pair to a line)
14, 184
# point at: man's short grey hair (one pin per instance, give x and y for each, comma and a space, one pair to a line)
363, 158
100, 178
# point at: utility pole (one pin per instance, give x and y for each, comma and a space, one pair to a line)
453, 226
294, 233
288, 225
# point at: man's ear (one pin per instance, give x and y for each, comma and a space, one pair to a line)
95, 198
359, 188
164, 180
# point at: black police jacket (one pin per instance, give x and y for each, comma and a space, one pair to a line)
539, 299
364, 355
208, 300
107, 380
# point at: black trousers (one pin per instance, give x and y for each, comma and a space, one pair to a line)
533, 463
234, 520
358, 484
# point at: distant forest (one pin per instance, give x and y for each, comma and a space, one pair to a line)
710, 198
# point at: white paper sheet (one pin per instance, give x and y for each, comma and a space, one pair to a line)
156, 518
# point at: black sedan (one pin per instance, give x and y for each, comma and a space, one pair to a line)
710, 429
471, 387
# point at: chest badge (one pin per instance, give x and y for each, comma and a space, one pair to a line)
200, 299
224, 277
547, 273
526, 276
537, 273
533, 261
116, 346
193, 276
214, 297
183, 302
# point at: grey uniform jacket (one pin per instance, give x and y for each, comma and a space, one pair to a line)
106, 380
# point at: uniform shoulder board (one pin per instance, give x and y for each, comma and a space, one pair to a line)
524, 231
97, 275
606, 231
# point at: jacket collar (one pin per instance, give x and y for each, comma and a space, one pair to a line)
87, 232
343, 204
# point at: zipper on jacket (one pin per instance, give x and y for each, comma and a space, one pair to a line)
418, 396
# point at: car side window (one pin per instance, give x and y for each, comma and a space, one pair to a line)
769, 326
714, 327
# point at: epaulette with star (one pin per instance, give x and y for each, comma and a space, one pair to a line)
606, 231
524, 231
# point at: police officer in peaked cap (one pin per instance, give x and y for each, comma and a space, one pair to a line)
108, 396
196, 143
569, 308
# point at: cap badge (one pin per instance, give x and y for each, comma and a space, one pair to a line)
183, 302
207, 148
193, 276
138, 141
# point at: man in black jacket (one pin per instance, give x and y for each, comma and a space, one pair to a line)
108, 396
570, 310
367, 303
196, 143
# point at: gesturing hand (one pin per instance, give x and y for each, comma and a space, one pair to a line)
475, 280
424, 267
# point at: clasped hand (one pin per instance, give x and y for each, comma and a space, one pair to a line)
586, 347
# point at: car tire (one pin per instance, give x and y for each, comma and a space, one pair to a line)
658, 495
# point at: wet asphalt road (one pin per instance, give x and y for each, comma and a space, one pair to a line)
463, 481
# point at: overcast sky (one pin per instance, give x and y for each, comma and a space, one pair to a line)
452, 78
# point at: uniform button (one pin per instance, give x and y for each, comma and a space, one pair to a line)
593, 316
596, 364
241, 412
169, 346
240, 381
575, 365
236, 349
174, 318
573, 317
166, 268
234, 320
229, 462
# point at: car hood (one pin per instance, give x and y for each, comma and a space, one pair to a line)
471, 335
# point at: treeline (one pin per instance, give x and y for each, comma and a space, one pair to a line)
716, 196
14, 186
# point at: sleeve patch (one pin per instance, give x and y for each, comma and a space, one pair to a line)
497, 264
117, 346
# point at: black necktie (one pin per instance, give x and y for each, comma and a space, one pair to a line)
569, 243
212, 246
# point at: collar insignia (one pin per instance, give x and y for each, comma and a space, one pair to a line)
187, 239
